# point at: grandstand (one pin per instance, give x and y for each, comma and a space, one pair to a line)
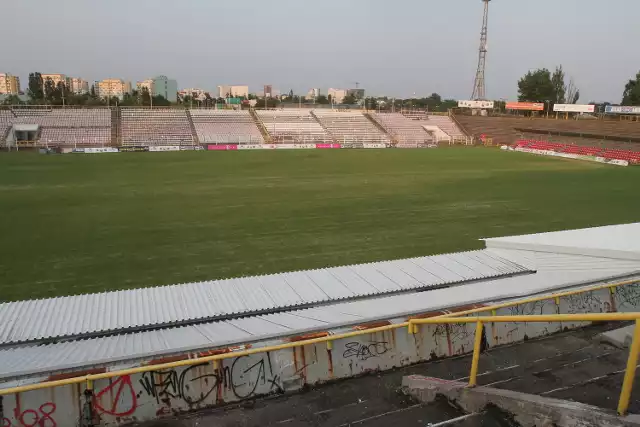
163, 351
66, 126
158, 126
225, 127
447, 125
6, 122
407, 132
607, 153
293, 126
48, 126
507, 130
350, 127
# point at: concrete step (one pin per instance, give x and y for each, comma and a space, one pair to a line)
546, 381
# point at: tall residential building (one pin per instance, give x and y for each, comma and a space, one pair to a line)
148, 84
313, 93
109, 88
165, 87
195, 92
78, 85
356, 93
9, 85
337, 95
55, 78
233, 91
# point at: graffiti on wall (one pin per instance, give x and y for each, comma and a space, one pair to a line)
585, 302
194, 384
364, 351
628, 296
248, 372
175, 384
42, 416
149, 395
123, 401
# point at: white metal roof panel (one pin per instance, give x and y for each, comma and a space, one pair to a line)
613, 241
130, 310
329, 284
49, 358
443, 273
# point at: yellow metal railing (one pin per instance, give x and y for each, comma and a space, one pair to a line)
215, 359
632, 361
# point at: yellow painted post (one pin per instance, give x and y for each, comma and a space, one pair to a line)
216, 365
410, 328
329, 345
476, 355
90, 385
630, 372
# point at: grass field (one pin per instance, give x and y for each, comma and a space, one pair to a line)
86, 223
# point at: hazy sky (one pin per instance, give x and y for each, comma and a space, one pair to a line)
391, 47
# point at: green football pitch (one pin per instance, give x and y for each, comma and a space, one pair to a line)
89, 223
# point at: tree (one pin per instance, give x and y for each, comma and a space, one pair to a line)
572, 92
92, 92
541, 86
536, 86
631, 94
11, 100
49, 88
557, 80
161, 101
145, 97
349, 100
36, 89
270, 102
321, 99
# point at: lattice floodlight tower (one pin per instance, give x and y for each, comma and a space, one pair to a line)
478, 85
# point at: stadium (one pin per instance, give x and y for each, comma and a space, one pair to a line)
331, 265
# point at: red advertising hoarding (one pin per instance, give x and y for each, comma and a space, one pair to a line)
222, 147
529, 106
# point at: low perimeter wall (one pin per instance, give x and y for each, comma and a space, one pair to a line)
552, 153
154, 394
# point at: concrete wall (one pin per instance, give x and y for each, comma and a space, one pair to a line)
156, 394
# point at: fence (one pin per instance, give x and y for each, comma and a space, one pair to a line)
627, 385
191, 381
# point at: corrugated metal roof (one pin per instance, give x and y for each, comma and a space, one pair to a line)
613, 241
546, 261
121, 311
30, 360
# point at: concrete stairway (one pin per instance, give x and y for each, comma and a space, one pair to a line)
572, 365
381, 128
116, 127
265, 135
194, 133
333, 138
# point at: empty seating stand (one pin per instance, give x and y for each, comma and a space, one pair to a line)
633, 157
407, 132
6, 121
350, 127
447, 125
225, 127
293, 126
158, 126
68, 126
